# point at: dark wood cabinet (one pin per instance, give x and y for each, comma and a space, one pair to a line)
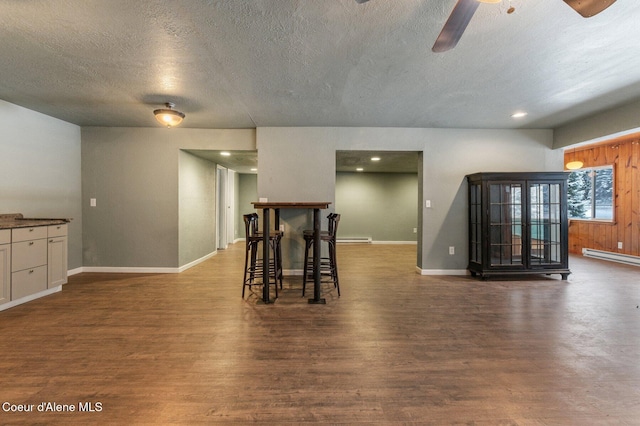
518, 224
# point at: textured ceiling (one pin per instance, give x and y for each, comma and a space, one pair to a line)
245, 64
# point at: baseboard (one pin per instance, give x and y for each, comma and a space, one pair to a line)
394, 242
75, 271
357, 240
142, 270
29, 298
627, 259
197, 261
441, 271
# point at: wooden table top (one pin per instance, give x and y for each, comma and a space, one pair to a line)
291, 204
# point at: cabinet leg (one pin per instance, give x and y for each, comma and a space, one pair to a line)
564, 277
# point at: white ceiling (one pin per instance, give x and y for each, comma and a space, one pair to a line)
245, 64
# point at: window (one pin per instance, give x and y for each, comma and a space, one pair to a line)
590, 193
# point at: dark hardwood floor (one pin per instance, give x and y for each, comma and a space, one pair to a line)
396, 348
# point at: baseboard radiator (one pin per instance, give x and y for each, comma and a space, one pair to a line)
614, 257
361, 240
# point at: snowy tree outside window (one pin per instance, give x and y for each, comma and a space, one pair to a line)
590, 193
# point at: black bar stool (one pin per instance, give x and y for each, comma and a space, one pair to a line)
328, 265
253, 265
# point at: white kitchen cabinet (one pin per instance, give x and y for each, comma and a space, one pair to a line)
5, 266
33, 258
28, 261
57, 255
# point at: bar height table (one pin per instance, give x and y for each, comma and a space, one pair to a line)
316, 206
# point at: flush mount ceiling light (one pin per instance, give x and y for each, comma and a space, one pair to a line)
168, 116
519, 114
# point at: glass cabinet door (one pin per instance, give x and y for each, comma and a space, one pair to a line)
505, 224
475, 223
545, 224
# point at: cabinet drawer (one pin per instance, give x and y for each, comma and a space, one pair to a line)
25, 234
5, 236
28, 254
57, 230
28, 282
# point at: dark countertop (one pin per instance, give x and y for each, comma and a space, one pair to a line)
16, 220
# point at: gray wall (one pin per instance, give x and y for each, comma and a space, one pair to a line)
382, 206
617, 121
134, 175
52, 168
40, 170
307, 173
197, 213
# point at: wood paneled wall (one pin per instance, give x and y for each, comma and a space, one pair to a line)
624, 154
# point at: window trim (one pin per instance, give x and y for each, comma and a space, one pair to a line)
613, 220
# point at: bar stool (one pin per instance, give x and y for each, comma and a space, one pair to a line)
252, 264
328, 265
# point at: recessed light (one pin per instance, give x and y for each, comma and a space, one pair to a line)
375, 158
225, 154
519, 114
359, 169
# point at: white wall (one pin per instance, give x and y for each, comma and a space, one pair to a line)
40, 174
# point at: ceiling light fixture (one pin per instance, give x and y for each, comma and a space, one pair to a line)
519, 114
225, 154
574, 164
375, 158
359, 169
168, 116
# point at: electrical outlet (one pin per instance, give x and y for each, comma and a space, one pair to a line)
415, 230
620, 245
427, 204
452, 250
92, 202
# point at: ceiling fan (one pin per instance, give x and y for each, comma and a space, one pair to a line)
464, 9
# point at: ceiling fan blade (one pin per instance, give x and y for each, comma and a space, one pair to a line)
588, 8
455, 25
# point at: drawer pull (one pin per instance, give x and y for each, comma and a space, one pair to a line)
31, 271
50, 241
31, 229
30, 243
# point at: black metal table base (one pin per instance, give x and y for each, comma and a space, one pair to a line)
266, 226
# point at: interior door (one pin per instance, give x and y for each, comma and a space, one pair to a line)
221, 207
231, 211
